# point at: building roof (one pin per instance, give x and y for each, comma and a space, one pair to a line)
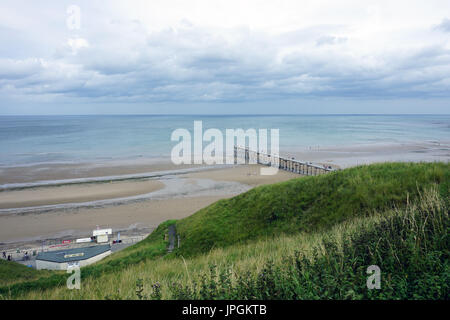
76, 254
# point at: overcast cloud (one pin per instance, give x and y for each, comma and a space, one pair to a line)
179, 54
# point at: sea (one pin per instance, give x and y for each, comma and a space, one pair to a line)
31, 140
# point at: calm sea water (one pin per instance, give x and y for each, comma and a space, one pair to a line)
26, 140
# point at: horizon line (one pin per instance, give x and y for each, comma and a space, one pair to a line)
230, 114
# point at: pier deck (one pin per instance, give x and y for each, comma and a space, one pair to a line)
245, 155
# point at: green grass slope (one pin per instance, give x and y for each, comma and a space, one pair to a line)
309, 203
409, 246
13, 272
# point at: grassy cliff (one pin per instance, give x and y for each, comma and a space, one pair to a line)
311, 237
13, 272
309, 204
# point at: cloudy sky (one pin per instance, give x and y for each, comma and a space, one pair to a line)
209, 56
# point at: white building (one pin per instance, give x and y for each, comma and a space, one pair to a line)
100, 232
102, 235
64, 259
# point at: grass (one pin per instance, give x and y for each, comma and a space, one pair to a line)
323, 225
409, 245
308, 204
12, 272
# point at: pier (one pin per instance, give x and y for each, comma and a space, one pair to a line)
301, 167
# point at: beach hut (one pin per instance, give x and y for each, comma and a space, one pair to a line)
102, 235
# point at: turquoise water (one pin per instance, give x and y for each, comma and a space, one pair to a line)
27, 140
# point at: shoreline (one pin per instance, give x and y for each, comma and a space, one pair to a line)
339, 156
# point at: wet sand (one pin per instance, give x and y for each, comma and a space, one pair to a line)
75, 193
172, 197
57, 171
248, 174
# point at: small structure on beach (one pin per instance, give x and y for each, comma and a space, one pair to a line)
70, 258
101, 235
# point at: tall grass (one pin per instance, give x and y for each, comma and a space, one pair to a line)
12, 272
309, 204
409, 244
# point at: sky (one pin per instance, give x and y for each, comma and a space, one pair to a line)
224, 57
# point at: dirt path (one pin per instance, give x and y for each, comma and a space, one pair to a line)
172, 236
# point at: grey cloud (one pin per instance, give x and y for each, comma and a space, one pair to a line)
444, 25
11, 69
124, 62
330, 40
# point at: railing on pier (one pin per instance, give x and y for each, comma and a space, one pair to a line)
301, 167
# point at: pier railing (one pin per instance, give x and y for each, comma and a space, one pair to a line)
301, 167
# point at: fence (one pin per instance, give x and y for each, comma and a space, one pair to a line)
292, 165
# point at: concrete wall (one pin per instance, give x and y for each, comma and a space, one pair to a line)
94, 259
49, 265
41, 264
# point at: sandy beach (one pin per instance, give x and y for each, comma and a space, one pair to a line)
76, 193
159, 192
60, 171
75, 210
